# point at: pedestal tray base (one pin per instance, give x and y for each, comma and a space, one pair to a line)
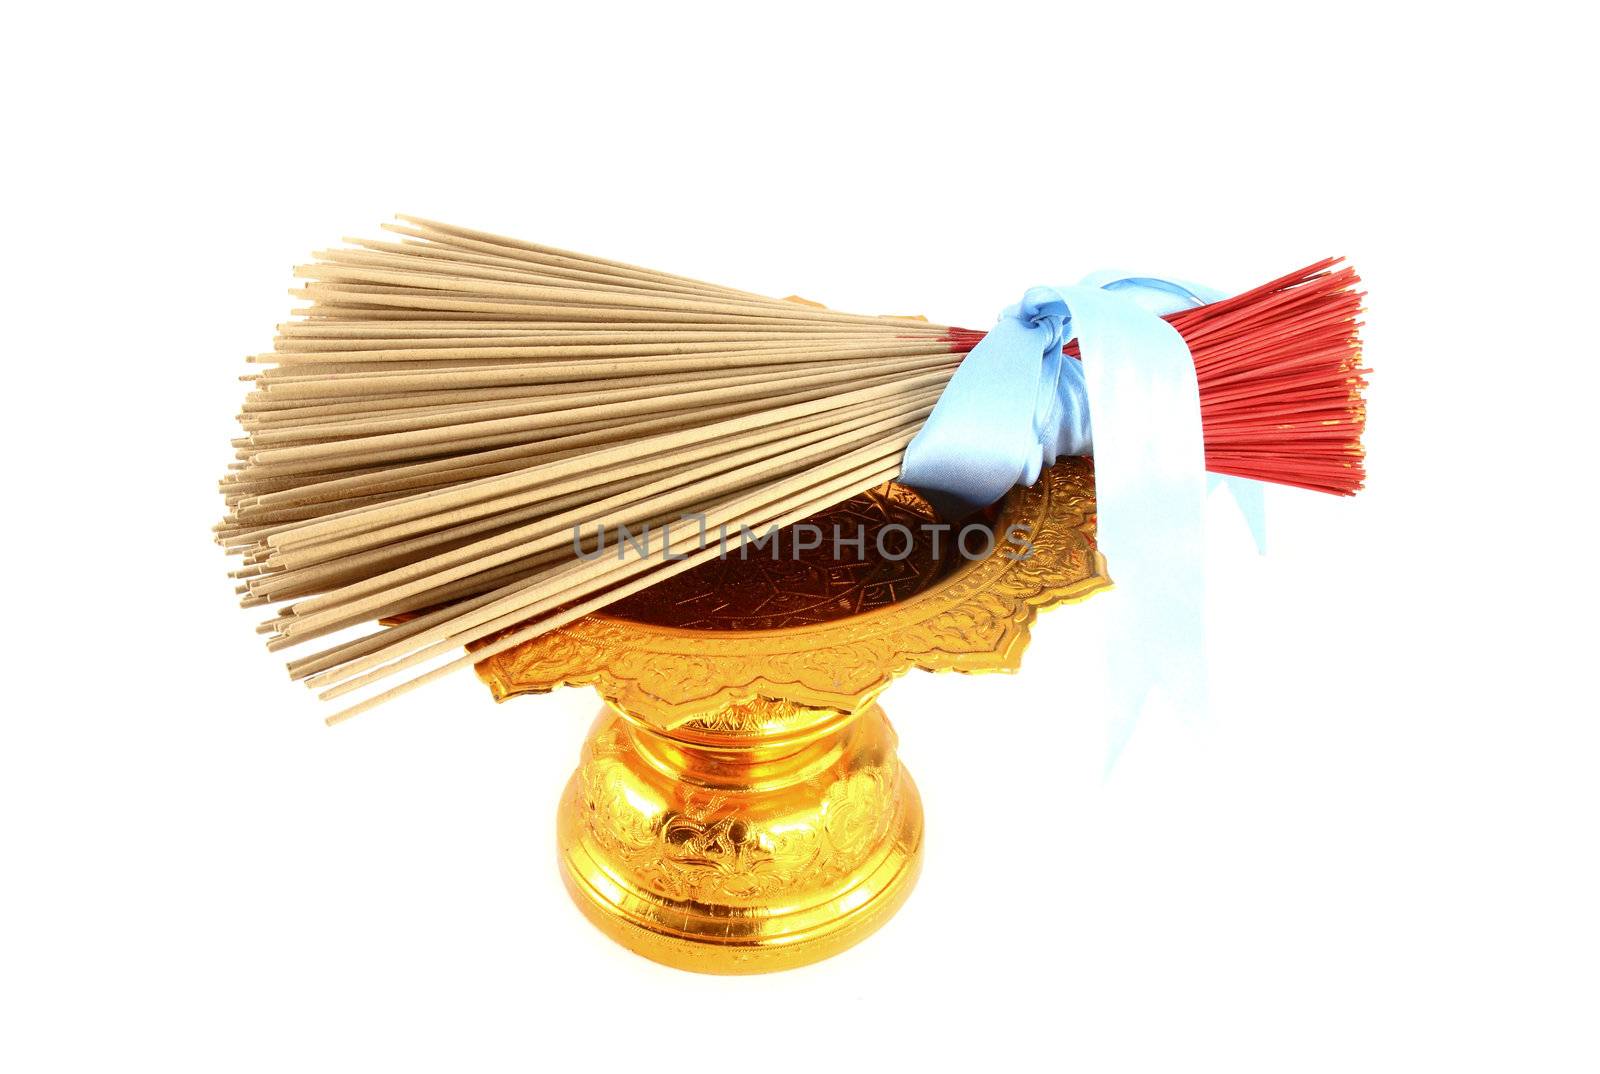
739, 806
744, 860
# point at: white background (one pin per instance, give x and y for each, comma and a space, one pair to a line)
1379, 850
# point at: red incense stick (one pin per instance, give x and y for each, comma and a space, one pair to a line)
1279, 370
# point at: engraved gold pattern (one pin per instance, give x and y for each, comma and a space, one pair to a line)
972, 618
706, 847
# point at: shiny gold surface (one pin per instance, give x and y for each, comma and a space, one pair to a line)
740, 806
780, 851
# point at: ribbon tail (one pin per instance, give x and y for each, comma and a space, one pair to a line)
1150, 489
1250, 497
1142, 670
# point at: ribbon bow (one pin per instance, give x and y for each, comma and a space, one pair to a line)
1016, 404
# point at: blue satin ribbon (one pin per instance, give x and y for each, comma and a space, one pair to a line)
1016, 404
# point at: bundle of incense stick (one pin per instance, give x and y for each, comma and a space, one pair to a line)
424, 441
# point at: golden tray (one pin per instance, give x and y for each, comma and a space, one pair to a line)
738, 806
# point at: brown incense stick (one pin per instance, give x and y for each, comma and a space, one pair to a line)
453, 404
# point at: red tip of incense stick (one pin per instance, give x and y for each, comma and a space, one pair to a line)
962, 340
1280, 377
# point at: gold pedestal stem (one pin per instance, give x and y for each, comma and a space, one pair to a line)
778, 838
